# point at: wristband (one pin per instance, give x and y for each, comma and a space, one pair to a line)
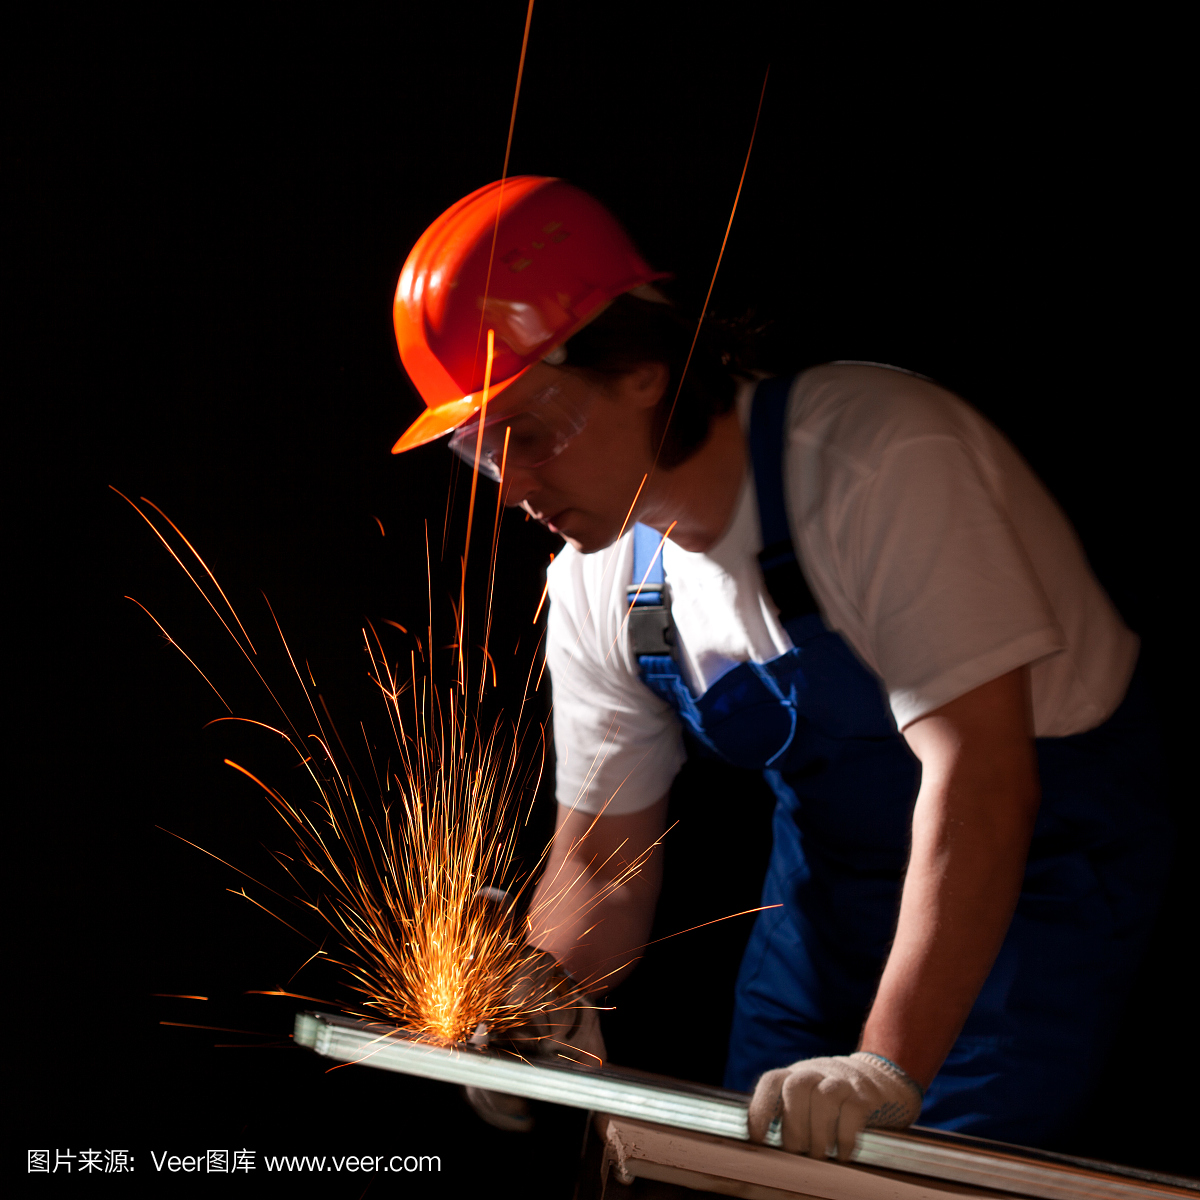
887, 1062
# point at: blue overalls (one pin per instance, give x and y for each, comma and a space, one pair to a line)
817, 723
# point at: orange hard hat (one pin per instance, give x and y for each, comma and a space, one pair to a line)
532, 258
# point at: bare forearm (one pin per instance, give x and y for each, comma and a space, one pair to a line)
597, 936
961, 889
972, 826
594, 905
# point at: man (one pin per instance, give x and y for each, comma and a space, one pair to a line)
851, 581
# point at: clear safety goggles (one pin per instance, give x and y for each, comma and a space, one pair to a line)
536, 433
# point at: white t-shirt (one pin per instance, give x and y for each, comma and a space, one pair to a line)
929, 545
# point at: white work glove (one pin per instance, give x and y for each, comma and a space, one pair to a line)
825, 1103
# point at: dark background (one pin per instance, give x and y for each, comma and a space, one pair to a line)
212, 210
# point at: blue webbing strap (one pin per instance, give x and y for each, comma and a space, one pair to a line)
651, 631
645, 546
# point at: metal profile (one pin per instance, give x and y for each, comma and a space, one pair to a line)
974, 1162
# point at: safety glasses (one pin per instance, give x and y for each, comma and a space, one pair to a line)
537, 433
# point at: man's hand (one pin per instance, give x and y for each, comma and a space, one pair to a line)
571, 1032
825, 1103
559, 1020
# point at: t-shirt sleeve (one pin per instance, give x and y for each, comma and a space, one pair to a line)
617, 745
947, 595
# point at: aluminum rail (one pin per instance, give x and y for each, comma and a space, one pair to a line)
622, 1092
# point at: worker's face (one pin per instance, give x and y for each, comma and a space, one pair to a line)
585, 491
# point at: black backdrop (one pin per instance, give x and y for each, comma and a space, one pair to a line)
214, 209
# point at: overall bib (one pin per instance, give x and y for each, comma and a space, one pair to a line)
817, 723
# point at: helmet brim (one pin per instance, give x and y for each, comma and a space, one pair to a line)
434, 423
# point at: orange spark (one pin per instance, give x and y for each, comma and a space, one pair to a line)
631, 505
214, 1028
462, 597
487, 632
512, 123
181, 650
398, 872
545, 592
281, 992
200, 561
713, 281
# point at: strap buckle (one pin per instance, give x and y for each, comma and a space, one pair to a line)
651, 630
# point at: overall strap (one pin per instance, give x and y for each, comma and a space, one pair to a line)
781, 570
647, 565
651, 631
